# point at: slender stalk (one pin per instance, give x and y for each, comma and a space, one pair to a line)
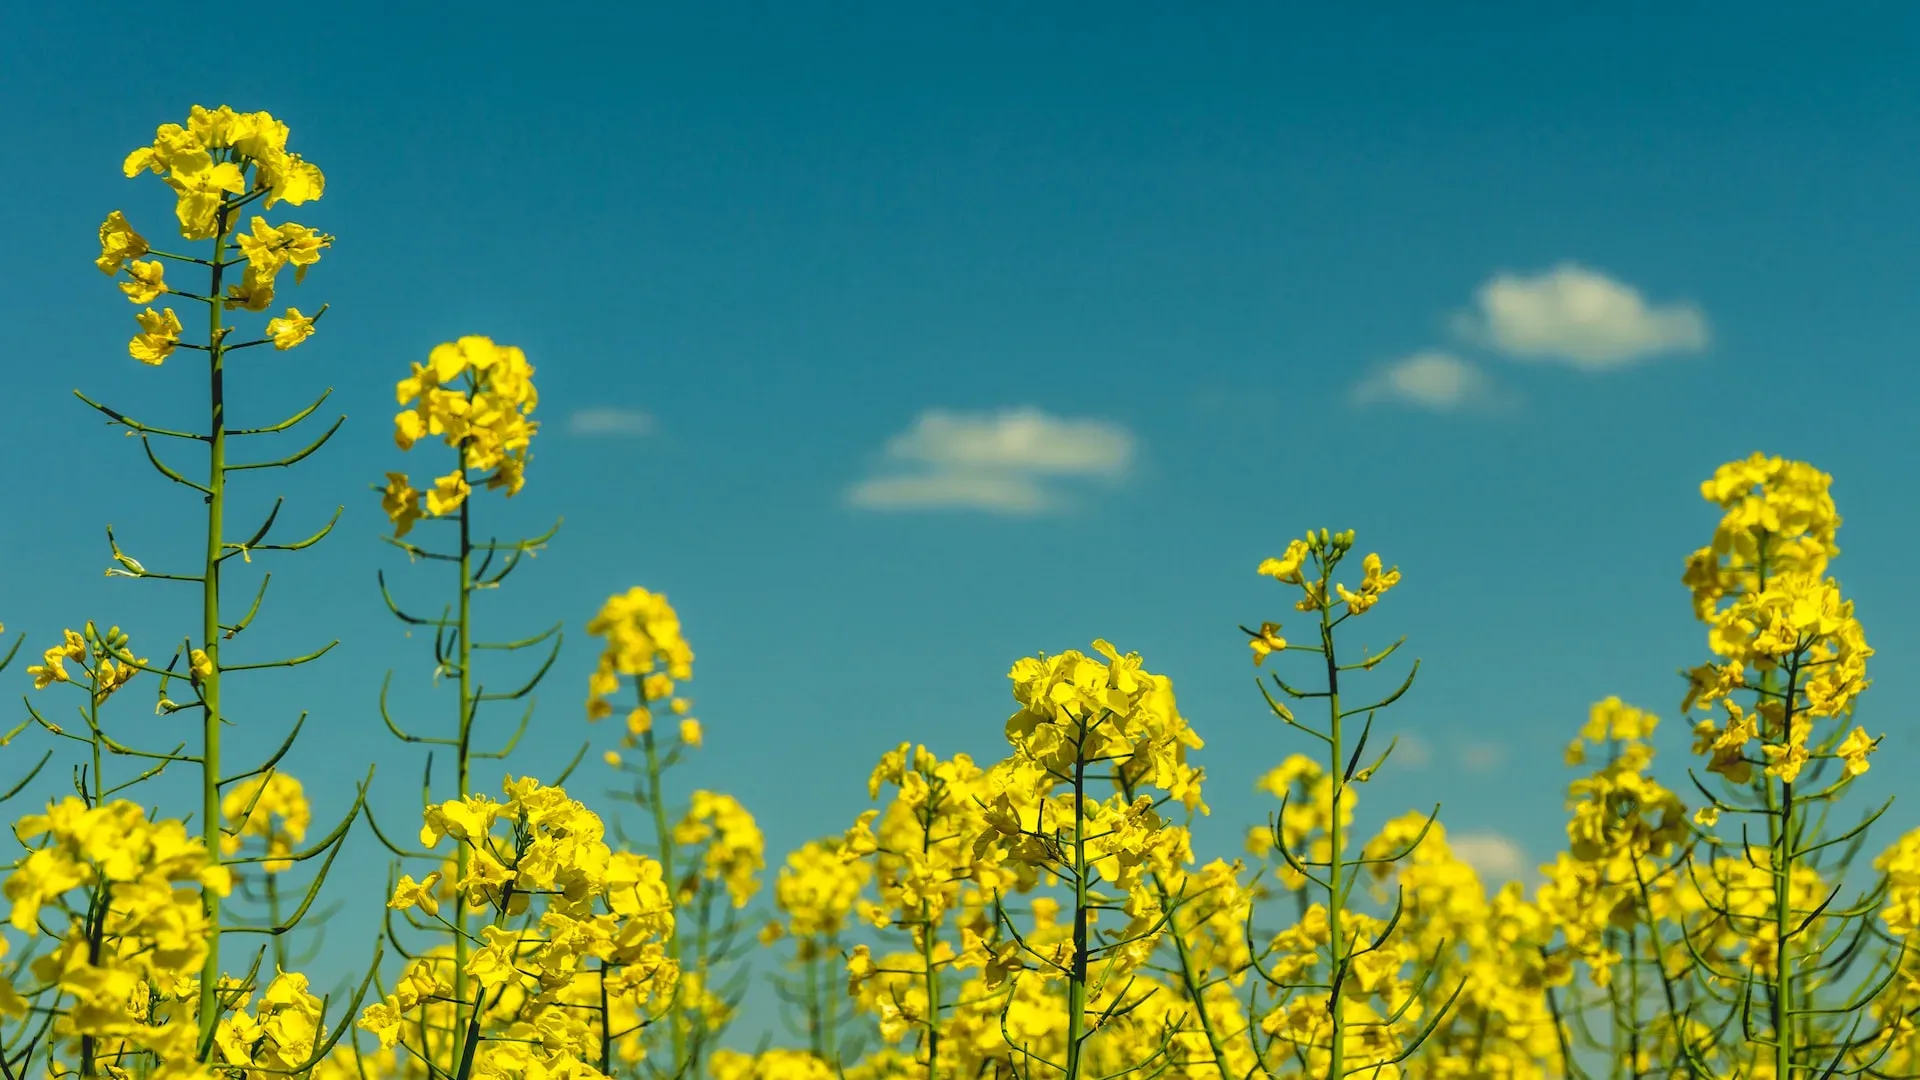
1077, 977
657, 802
930, 972
210, 822
1336, 886
463, 653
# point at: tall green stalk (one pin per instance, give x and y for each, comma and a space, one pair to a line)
210, 629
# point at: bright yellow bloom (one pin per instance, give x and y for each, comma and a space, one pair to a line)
1854, 750
272, 808
118, 244
291, 330
1267, 642
159, 333
148, 281
448, 493
268, 248
401, 503
1374, 585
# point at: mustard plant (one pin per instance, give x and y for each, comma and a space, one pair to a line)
1339, 1002
219, 165
711, 855
476, 399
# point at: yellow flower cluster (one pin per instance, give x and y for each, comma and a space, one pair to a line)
567, 911
475, 396
219, 162
1760, 587
1077, 709
105, 661
272, 808
735, 851
124, 975
643, 642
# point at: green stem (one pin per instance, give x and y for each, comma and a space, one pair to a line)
1336, 899
210, 633
1077, 976
657, 802
463, 653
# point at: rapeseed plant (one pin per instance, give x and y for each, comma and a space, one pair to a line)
1037, 917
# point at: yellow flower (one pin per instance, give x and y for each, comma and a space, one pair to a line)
1287, 567
690, 732
254, 293
401, 502
1267, 642
1374, 585
1854, 750
410, 894
268, 248
118, 244
159, 333
202, 187
291, 330
148, 281
200, 664
448, 493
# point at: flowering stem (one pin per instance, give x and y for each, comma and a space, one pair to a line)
463, 654
1336, 890
210, 632
1781, 833
931, 973
1077, 976
657, 802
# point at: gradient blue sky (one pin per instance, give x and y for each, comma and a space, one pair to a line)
768, 241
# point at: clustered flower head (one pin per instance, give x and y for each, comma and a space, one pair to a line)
1308, 564
127, 977
565, 907
644, 643
475, 396
220, 162
1773, 614
816, 891
1078, 709
104, 661
272, 808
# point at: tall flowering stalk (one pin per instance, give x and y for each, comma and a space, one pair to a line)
711, 855
475, 398
1357, 1013
220, 166
1789, 647
1086, 725
570, 923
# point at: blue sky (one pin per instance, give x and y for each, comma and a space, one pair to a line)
895, 345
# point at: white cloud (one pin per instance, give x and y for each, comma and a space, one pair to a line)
995, 462
1482, 757
1580, 317
1410, 752
1433, 380
1496, 858
610, 420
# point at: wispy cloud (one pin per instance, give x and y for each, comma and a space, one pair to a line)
1432, 380
1410, 752
1496, 858
1483, 757
610, 420
1577, 316
994, 462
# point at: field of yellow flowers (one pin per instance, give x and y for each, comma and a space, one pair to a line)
1038, 916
